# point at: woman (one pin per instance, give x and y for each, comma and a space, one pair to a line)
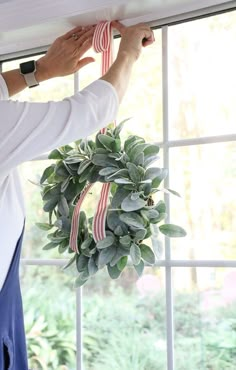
30, 129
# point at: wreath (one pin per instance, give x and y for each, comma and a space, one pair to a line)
132, 214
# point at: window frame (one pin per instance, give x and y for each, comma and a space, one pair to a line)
168, 263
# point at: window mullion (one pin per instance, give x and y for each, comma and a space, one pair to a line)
168, 270
79, 340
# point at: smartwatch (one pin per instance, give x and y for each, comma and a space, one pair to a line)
28, 70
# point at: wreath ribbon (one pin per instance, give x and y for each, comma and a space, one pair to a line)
102, 42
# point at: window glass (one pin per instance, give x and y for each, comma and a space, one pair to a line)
202, 78
49, 315
204, 318
205, 176
124, 321
143, 99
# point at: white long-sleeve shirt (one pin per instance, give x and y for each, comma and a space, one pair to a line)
30, 129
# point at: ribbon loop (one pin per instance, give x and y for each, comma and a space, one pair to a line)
102, 42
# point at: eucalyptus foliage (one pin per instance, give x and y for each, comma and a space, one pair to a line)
131, 211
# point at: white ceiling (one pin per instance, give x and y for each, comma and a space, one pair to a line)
27, 24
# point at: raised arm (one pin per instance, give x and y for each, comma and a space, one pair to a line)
132, 40
64, 57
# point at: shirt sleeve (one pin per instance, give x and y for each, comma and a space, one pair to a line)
29, 129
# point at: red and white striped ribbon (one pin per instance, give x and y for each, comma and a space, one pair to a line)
75, 221
102, 42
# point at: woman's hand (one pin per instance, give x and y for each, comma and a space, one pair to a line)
133, 38
65, 56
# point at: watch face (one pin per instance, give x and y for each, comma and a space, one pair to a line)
28, 67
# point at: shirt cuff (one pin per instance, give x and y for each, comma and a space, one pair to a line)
4, 94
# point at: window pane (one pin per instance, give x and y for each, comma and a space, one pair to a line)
124, 322
54, 89
49, 317
202, 78
143, 100
205, 176
205, 318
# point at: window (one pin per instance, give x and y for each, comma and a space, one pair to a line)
181, 313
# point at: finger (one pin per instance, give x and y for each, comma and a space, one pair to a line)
118, 26
85, 36
85, 61
76, 30
84, 48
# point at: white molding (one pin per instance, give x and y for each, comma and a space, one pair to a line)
27, 26
160, 263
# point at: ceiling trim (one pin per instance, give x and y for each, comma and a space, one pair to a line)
155, 20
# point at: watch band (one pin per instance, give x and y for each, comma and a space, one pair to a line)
30, 79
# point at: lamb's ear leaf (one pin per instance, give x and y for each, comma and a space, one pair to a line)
173, 231
113, 272
147, 254
139, 268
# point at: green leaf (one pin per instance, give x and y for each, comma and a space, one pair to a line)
135, 254
147, 254
118, 231
119, 174
123, 182
103, 160
137, 140
86, 243
65, 184
70, 262
49, 246
129, 205
150, 159
92, 267
113, 272
106, 255
134, 172
63, 246
120, 252
106, 141
63, 207
107, 171
136, 150
119, 127
79, 281
83, 165
151, 149
50, 205
44, 226
161, 207
60, 170
93, 175
81, 262
139, 160
106, 242
47, 173
140, 234
55, 154
173, 231
149, 214
75, 159
158, 179
139, 268
174, 192
125, 240
122, 263
132, 219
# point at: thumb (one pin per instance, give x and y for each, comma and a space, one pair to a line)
83, 62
